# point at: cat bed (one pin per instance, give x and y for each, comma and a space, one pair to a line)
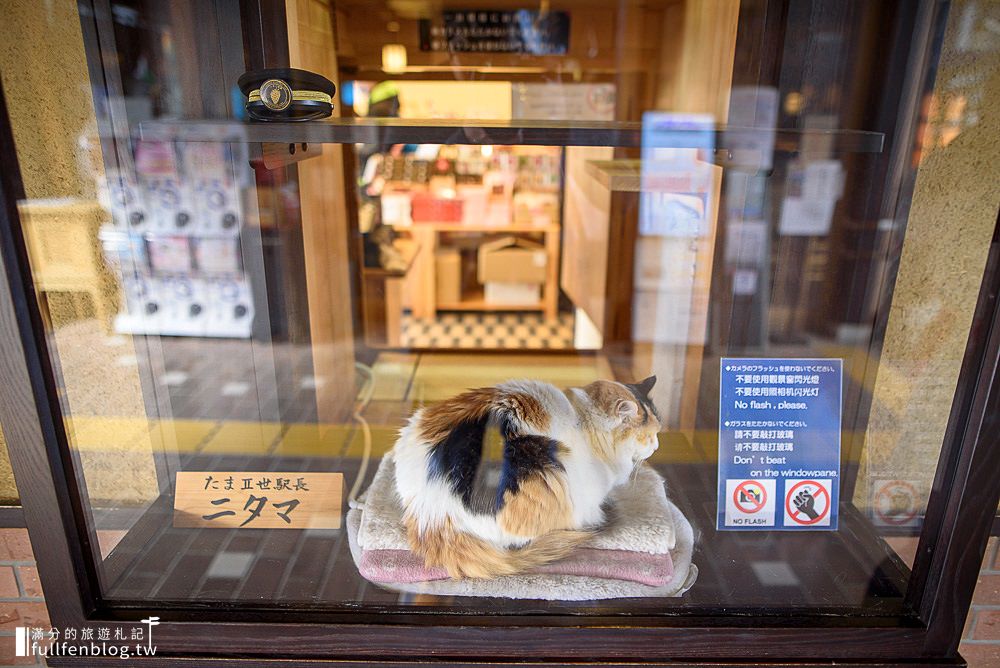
645, 551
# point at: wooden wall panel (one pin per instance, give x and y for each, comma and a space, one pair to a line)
642, 32
586, 207
703, 82
325, 223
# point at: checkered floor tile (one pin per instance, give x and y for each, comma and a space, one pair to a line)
489, 331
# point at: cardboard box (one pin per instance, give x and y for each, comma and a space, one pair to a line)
512, 260
448, 270
501, 293
534, 208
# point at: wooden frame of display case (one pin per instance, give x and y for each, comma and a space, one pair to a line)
925, 630
925, 633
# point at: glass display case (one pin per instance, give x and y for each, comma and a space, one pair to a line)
581, 332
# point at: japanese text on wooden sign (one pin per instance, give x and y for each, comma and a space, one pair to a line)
258, 500
497, 31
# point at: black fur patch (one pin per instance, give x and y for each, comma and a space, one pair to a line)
644, 401
456, 458
522, 457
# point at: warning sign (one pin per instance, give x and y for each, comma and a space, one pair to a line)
895, 503
750, 503
807, 503
779, 444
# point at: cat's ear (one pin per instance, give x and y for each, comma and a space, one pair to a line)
647, 385
627, 409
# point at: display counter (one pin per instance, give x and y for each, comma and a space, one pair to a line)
586, 334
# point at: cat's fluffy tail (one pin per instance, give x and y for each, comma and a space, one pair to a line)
463, 555
545, 549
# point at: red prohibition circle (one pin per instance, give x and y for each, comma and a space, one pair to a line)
741, 486
896, 521
791, 493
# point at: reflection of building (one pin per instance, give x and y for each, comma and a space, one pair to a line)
526, 201
176, 241
63, 240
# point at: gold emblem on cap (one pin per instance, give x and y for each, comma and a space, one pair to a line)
275, 94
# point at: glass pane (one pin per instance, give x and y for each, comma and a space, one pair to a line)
760, 208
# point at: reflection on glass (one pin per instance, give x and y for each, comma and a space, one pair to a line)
224, 308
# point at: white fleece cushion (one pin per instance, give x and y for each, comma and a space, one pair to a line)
554, 587
642, 520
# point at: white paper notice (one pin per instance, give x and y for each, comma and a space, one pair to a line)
746, 242
811, 196
753, 114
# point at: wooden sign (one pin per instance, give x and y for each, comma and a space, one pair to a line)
497, 31
258, 500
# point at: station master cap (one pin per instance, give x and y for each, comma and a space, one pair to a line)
287, 94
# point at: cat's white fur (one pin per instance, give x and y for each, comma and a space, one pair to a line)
573, 422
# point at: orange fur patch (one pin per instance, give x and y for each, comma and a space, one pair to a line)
528, 409
541, 504
602, 442
458, 553
464, 555
606, 394
438, 420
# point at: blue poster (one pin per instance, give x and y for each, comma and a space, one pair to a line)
779, 444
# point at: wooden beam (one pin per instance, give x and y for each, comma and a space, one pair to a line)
704, 80
325, 224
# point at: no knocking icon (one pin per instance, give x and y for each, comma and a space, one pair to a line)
821, 500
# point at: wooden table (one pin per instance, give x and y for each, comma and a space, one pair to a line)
425, 303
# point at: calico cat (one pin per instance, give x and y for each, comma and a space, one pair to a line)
563, 453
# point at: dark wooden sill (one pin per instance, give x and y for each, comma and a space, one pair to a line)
847, 577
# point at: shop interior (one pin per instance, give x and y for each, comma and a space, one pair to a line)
494, 212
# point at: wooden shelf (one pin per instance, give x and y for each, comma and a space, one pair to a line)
474, 300
617, 175
514, 132
625, 175
472, 227
408, 249
273, 156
